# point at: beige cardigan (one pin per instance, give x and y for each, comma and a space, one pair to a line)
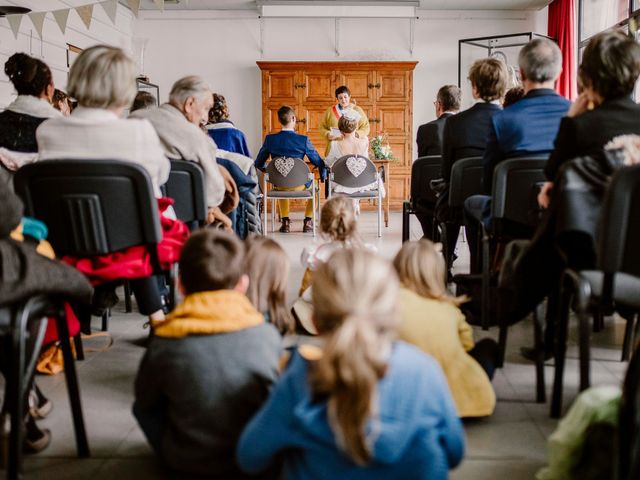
96, 133
440, 330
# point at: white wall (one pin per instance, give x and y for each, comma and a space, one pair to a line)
224, 50
53, 48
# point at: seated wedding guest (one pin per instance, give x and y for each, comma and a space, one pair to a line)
465, 134
288, 143
432, 321
143, 100
103, 80
223, 131
429, 137
209, 367
329, 121
178, 126
528, 127
597, 137
267, 266
18, 122
60, 102
604, 109
26, 272
361, 405
512, 96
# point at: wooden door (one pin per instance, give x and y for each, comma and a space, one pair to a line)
392, 86
281, 86
360, 83
318, 87
312, 114
393, 119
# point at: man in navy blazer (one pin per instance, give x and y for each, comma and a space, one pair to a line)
287, 143
527, 127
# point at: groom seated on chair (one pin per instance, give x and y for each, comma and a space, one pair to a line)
287, 143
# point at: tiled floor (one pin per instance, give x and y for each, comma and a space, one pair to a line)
509, 445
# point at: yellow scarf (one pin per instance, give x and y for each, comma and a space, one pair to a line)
207, 313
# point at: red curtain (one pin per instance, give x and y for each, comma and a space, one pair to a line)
561, 27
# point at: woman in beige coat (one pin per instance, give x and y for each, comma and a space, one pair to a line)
432, 321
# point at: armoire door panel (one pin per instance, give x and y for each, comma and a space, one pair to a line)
318, 87
392, 86
360, 84
282, 86
393, 119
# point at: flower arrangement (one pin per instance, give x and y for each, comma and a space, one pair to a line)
380, 147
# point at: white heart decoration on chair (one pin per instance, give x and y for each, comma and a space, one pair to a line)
284, 165
356, 165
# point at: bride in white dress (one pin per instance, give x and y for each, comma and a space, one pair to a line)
349, 144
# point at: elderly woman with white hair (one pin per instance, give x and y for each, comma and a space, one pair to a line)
103, 80
178, 124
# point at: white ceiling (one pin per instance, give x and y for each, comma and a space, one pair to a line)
40, 5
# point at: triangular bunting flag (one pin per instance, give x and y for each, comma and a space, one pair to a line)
61, 17
111, 8
85, 12
14, 23
159, 4
37, 18
134, 5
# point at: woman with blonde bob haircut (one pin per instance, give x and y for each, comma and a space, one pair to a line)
432, 321
103, 80
362, 405
267, 266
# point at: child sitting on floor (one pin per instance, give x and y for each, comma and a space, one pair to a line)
432, 321
339, 225
267, 266
362, 406
209, 366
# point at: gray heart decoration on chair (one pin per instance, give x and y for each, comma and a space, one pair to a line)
284, 165
356, 165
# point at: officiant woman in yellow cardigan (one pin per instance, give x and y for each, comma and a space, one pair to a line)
329, 122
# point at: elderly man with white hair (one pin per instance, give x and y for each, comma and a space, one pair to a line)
178, 126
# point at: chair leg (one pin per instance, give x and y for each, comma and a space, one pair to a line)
273, 216
584, 331
628, 337
313, 195
77, 342
502, 340
406, 219
127, 297
598, 321
539, 348
105, 319
379, 215
486, 283
15, 392
560, 350
82, 444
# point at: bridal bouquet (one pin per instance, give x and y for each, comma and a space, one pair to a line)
380, 147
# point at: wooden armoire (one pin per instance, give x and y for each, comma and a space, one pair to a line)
384, 90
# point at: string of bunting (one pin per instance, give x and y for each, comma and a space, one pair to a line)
85, 12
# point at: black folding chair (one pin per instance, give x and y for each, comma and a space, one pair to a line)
186, 187
286, 172
466, 180
422, 199
93, 207
615, 285
15, 320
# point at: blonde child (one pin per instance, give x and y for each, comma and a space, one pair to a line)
432, 321
267, 266
363, 406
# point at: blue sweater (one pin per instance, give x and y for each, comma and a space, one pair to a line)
229, 138
419, 433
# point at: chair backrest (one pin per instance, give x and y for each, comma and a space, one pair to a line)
619, 230
516, 183
423, 170
186, 187
91, 207
354, 171
466, 180
287, 172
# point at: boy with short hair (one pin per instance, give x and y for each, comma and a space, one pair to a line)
209, 366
